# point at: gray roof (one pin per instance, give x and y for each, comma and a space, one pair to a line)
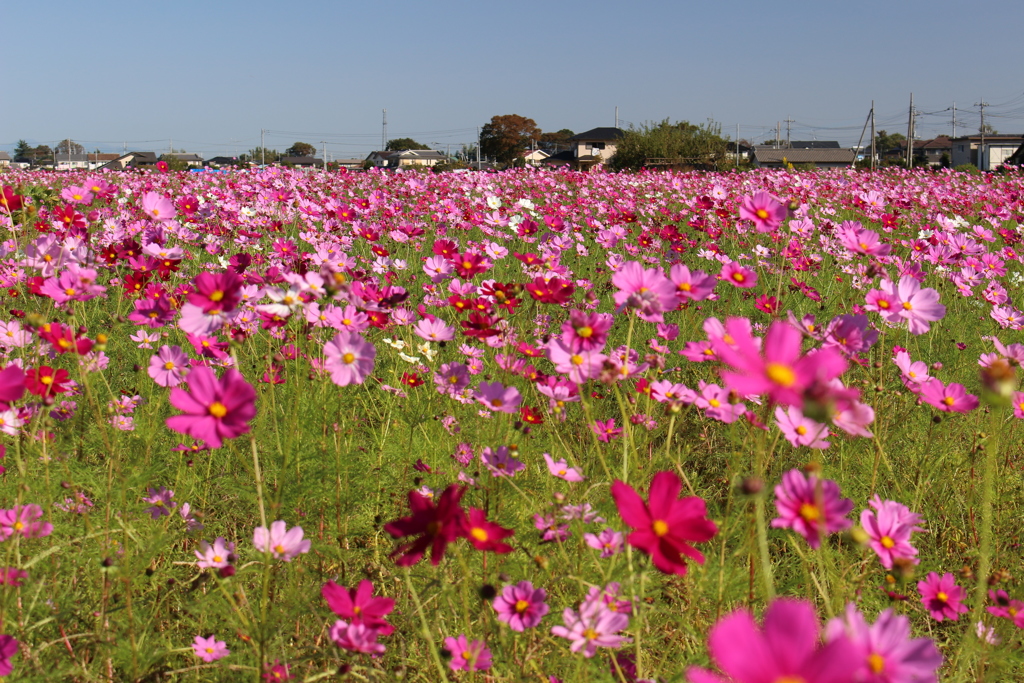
4, 156
183, 156
609, 133
302, 161
805, 156
814, 144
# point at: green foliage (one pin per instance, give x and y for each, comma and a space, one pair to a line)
34, 155
173, 163
403, 144
69, 147
258, 154
301, 149
967, 168
884, 142
678, 144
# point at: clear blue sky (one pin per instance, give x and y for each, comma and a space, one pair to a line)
209, 75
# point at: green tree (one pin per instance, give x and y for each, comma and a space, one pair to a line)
987, 129
174, 163
402, 144
682, 143
556, 141
301, 149
65, 147
884, 142
22, 150
506, 136
259, 154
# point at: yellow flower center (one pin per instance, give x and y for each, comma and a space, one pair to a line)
348, 358
590, 634
576, 359
942, 597
522, 606
810, 512
762, 214
218, 409
660, 528
887, 542
218, 558
949, 400
479, 534
883, 304
714, 403
216, 295
686, 287
738, 277
279, 549
497, 403
585, 332
168, 365
907, 306
801, 430
780, 374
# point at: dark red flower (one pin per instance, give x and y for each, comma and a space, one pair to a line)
434, 526
486, 535
45, 381
358, 605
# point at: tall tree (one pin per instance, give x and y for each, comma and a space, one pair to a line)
402, 144
506, 136
22, 150
258, 155
301, 149
556, 141
884, 142
680, 143
69, 147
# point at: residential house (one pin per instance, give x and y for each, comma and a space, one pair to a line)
930, 150
70, 162
534, 157
813, 144
406, 158
595, 146
187, 157
5, 159
350, 164
97, 159
303, 162
380, 159
821, 158
996, 150
220, 162
130, 160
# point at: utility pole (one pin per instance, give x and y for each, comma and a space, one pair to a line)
324, 143
478, 148
982, 160
263, 147
789, 141
778, 133
384, 133
910, 133
616, 117
873, 151
737, 144
954, 120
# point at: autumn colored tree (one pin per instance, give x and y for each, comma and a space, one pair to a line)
506, 136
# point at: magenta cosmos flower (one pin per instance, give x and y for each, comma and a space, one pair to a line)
888, 653
646, 290
215, 409
786, 648
889, 527
778, 369
349, 358
169, 366
467, 655
764, 210
24, 520
359, 606
941, 596
8, 648
665, 526
210, 649
280, 541
949, 398
810, 506
158, 207
521, 606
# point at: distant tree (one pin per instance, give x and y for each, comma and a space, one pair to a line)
885, 142
258, 154
987, 129
174, 163
681, 143
301, 149
33, 155
506, 136
69, 147
402, 144
556, 141
21, 150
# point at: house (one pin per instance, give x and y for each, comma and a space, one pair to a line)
97, 159
303, 162
5, 159
1017, 158
406, 158
930, 150
219, 162
380, 159
996, 150
813, 144
595, 146
188, 158
350, 164
820, 158
70, 162
534, 157
130, 160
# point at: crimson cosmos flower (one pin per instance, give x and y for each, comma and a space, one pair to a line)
665, 526
434, 526
216, 409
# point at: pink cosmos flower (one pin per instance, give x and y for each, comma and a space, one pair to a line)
215, 409
215, 556
888, 653
606, 430
521, 606
467, 655
889, 529
560, 469
738, 275
500, 462
609, 542
810, 506
24, 520
592, 627
578, 366
861, 241
951, 398
210, 649
716, 402
786, 648
497, 397
778, 369
484, 535
941, 596
349, 358
800, 430
645, 290
158, 207
356, 637
435, 330
281, 542
764, 210
8, 648
695, 286
169, 366
359, 606
665, 526
586, 331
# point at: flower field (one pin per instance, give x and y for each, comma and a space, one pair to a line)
527, 426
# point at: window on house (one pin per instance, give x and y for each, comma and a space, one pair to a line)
597, 145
